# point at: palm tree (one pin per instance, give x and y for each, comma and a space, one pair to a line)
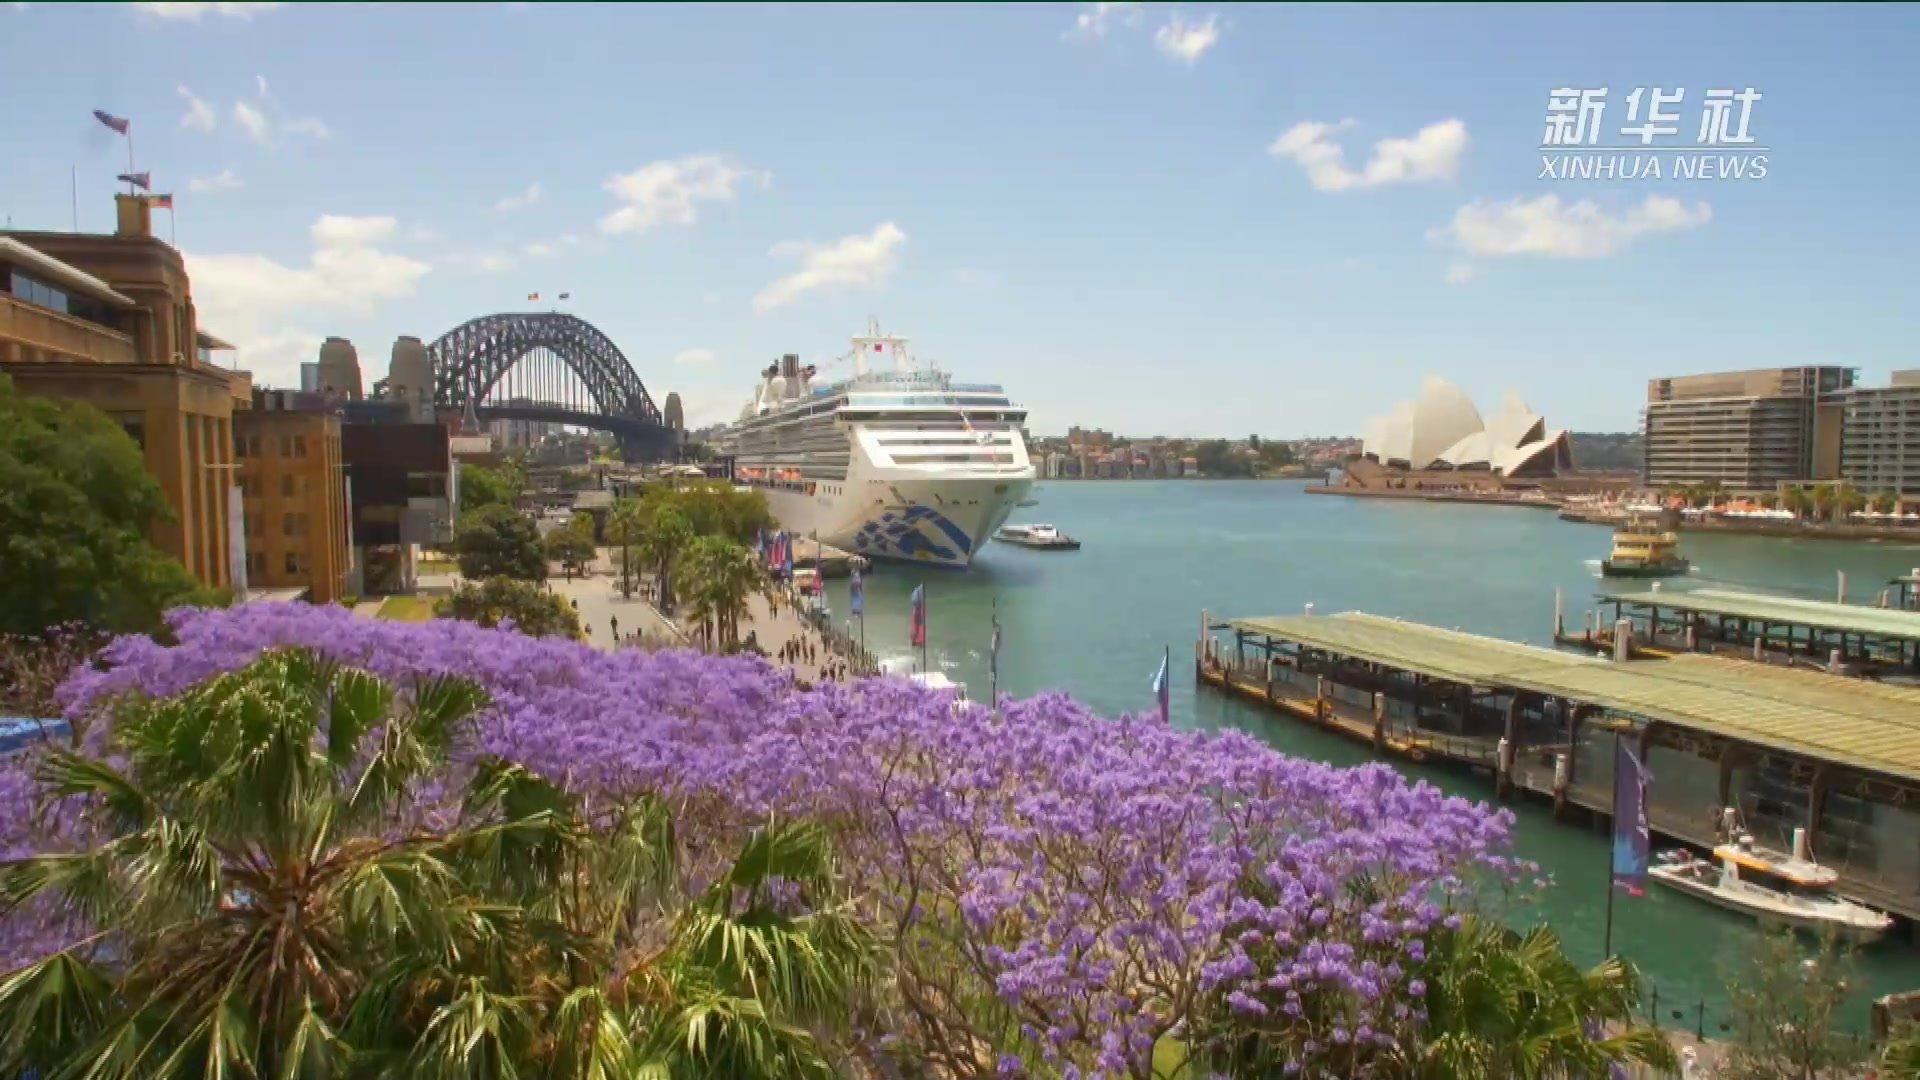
720, 577
272, 900
624, 526
1884, 502
1796, 500
664, 535
1824, 501
1848, 500
1501, 1004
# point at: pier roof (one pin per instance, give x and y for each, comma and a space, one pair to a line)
1820, 614
1453, 655
1855, 722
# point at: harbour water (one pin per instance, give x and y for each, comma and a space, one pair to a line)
1095, 622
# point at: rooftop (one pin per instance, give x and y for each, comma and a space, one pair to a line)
53, 270
1820, 614
1866, 725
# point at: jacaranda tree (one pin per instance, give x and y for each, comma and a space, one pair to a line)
1047, 892
298, 869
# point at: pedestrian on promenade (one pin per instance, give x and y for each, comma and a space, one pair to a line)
614, 621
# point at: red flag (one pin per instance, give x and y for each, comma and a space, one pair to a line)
112, 121
161, 202
919, 639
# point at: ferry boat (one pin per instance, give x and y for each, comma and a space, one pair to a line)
1778, 890
1644, 548
897, 461
1045, 537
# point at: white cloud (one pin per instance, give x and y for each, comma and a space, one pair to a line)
546, 249
199, 115
334, 230
225, 181
694, 356
260, 116
191, 12
1187, 42
1097, 19
266, 306
254, 121
669, 192
860, 259
1579, 230
1460, 273
1433, 153
515, 202
480, 262
309, 125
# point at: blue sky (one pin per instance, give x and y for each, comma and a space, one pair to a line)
1085, 203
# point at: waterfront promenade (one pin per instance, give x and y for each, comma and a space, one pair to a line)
775, 626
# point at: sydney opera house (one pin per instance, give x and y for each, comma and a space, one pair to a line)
1439, 442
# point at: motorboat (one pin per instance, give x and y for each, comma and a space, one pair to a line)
1644, 548
1776, 889
1045, 537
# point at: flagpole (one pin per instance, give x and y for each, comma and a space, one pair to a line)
75, 178
129, 135
993, 660
1606, 947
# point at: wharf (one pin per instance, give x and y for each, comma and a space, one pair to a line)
1840, 638
832, 562
1791, 748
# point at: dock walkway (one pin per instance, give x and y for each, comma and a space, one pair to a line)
1791, 747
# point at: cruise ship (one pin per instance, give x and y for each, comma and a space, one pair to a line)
895, 461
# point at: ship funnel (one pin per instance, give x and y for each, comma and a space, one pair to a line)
790, 366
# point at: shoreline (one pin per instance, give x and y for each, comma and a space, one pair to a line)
1779, 530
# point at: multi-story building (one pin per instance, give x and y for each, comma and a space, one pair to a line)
405, 493
109, 320
293, 486
1880, 447
1745, 430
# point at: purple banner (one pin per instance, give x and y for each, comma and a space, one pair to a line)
1631, 837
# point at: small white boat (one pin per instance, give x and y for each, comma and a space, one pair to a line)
934, 680
1778, 890
1037, 536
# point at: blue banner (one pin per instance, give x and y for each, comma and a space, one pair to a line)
1631, 837
857, 594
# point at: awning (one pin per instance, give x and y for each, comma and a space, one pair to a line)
42, 265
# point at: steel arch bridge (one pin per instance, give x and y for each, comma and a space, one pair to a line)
547, 367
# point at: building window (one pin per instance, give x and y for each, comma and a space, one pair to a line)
426, 486
239, 445
286, 446
286, 486
299, 446
287, 525
293, 562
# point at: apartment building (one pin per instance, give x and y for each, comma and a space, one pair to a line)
1746, 430
1880, 447
293, 490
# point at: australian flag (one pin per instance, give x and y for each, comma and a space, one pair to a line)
118, 124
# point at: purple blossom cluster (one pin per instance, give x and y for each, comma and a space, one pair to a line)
1061, 890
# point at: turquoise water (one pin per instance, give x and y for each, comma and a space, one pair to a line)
1096, 622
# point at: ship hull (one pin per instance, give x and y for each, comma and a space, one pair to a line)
896, 516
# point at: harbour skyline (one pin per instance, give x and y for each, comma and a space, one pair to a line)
1208, 201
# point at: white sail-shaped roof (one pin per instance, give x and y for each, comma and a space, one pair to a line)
1441, 429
